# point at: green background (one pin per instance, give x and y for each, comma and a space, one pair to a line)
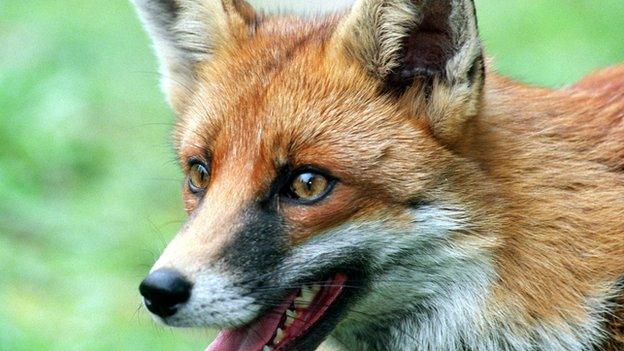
89, 189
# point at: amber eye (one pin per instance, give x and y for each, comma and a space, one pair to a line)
308, 187
198, 178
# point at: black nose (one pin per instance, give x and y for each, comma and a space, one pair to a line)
164, 290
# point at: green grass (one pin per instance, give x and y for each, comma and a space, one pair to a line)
89, 190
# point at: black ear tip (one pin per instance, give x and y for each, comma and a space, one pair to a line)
158, 8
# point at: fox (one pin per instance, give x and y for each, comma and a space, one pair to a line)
365, 180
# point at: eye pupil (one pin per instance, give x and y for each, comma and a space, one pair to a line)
308, 180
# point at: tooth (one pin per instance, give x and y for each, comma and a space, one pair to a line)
279, 336
316, 288
290, 318
302, 303
266, 348
307, 295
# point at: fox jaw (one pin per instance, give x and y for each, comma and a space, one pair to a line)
327, 190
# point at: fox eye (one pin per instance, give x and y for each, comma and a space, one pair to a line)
308, 187
198, 178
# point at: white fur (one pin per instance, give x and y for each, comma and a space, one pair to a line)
215, 302
300, 6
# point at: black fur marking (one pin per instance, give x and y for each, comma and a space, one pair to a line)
163, 13
169, 6
268, 202
258, 246
463, 346
417, 203
256, 256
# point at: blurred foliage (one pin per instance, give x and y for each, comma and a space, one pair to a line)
89, 189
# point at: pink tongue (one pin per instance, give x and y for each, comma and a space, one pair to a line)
251, 337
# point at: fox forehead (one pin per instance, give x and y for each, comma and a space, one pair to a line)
283, 97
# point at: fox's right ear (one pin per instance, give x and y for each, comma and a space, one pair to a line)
187, 33
426, 51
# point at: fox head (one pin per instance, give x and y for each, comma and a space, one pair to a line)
325, 185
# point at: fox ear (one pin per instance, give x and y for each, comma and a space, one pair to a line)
425, 50
187, 32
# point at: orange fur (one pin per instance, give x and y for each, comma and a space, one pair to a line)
558, 163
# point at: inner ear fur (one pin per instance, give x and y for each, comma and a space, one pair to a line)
186, 33
427, 52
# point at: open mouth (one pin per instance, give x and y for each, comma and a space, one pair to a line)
285, 325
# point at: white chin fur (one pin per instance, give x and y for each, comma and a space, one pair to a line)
215, 302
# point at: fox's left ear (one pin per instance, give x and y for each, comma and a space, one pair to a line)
187, 33
426, 51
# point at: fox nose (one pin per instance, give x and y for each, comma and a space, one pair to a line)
164, 290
